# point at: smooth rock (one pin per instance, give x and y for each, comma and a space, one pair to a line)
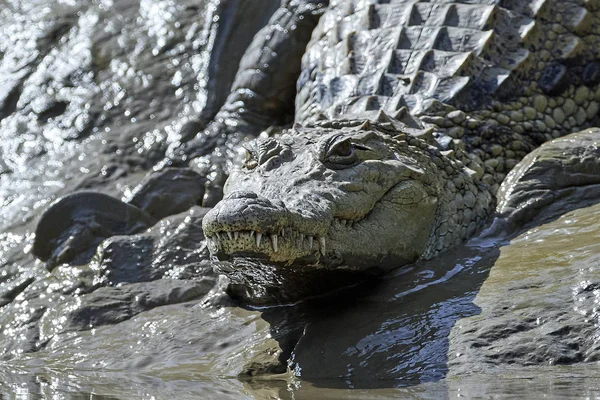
72, 227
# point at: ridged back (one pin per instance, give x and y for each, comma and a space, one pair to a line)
369, 55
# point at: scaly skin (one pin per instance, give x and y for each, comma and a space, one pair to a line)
500, 77
492, 79
362, 198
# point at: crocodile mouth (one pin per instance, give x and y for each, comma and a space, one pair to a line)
282, 245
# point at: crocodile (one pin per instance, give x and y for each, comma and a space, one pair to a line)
408, 117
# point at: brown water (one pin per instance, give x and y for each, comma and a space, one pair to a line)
92, 96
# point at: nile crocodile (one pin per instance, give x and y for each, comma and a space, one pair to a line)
455, 94
408, 116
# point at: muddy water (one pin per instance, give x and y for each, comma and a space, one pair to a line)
92, 96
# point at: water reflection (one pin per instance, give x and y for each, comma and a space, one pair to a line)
389, 333
568, 382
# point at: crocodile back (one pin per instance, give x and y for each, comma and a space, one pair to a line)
472, 55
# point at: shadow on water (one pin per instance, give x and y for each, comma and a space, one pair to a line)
388, 333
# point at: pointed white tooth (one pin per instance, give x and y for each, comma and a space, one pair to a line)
251, 233
236, 235
258, 237
322, 245
310, 242
301, 240
282, 233
229, 235
274, 242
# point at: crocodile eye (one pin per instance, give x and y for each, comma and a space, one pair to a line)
251, 162
342, 149
342, 155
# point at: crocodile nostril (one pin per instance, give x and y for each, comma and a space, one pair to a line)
242, 194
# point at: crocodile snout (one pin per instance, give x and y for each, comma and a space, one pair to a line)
246, 223
245, 211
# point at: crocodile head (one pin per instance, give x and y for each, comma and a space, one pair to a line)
317, 207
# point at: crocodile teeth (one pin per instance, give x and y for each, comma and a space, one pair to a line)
274, 242
343, 222
218, 239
